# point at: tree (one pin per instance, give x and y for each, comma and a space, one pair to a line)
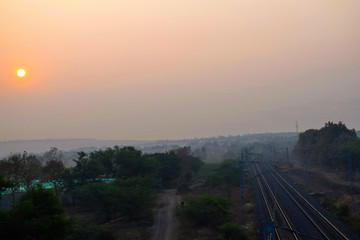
189, 163
170, 168
132, 197
131, 162
86, 231
54, 167
87, 170
201, 153
12, 167
321, 146
38, 215
106, 158
20, 168
54, 154
4, 184
231, 231
354, 150
207, 210
69, 183
31, 169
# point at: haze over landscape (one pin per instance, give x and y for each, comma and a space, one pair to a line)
150, 70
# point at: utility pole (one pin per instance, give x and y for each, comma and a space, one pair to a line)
242, 185
351, 183
246, 158
269, 231
306, 168
287, 156
275, 153
297, 128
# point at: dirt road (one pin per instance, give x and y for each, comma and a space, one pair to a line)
165, 219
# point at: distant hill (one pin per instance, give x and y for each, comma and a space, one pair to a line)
212, 149
40, 146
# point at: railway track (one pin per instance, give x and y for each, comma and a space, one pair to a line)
295, 215
271, 205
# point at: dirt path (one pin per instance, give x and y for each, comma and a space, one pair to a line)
165, 220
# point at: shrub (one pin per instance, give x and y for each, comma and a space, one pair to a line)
85, 231
37, 215
231, 231
343, 211
207, 210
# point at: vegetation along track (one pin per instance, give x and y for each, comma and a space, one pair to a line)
295, 214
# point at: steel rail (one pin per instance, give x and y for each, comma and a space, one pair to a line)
279, 207
266, 202
302, 209
308, 203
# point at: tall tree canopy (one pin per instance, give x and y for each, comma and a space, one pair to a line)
38, 215
322, 146
54, 167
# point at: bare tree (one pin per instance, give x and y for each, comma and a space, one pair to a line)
12, 168
31, 169
20, 168
54, 167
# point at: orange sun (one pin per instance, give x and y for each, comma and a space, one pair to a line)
21, 73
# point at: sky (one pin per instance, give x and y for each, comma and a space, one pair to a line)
160, 69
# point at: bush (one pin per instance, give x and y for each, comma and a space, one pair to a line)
227, 173
183, 187
131, 198
207, 210
37, 215
343, 211
231, 231
86, 231
215, 180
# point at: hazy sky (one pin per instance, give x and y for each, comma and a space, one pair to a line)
171, 69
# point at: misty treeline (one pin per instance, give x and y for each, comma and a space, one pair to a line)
331, 146
22, 169
114, 183
215, 150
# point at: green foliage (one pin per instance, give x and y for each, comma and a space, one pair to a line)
4, 184
131, 198
207, 210
227, 173
92, 196
215, 180
170, 168
106, 158
54, 167
196, 164
69, 179
37, 215
343, 211
125, 162
231, 231
87, 170
85, 231
21, 167
130, 162
321, 146
354, 151
189, 163
183, 187
146, 181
